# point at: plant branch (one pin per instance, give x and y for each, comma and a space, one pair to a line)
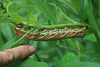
19, 39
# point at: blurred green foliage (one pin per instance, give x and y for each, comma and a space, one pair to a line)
86, 51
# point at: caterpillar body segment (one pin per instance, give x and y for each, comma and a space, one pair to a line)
46, 34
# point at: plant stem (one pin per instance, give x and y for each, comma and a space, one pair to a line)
62, 25
72, 25
70, 43
57, 45
60, 46
81, 11
96, 35
37, 57
78, 48
19, 39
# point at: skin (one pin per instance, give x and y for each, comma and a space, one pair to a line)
10, 55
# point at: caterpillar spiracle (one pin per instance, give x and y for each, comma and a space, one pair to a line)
51, 34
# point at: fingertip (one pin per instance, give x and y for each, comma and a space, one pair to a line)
26, 50
32, 49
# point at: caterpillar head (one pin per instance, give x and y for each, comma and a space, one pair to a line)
18, 28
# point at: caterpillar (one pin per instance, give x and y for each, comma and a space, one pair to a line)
46, 34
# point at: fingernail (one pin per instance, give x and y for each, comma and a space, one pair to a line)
31, 48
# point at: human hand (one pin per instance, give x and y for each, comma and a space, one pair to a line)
9, 55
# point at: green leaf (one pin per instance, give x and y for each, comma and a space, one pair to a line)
90, 14
47, 11
6, 31
16, 18
90, 38
65, 16
31, 63
2, 17
7, 6
1, 38
71, 44
1, 12
34, 17
2, 20
70, 60
8, 44
76, 4
81, 11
